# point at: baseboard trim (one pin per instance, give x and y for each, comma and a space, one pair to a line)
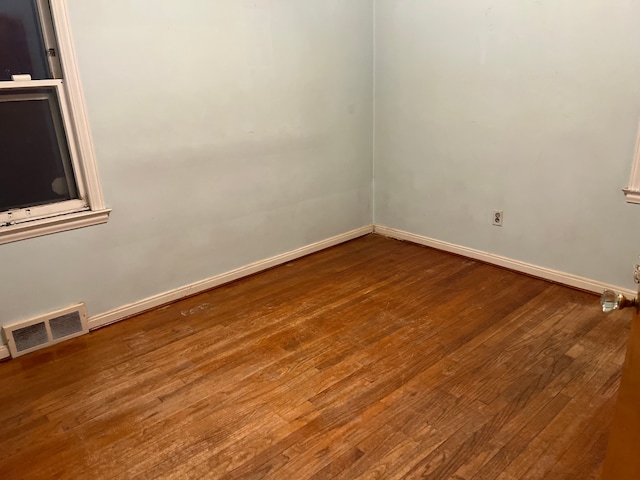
126, 311
135, 308
556, 276
4, 352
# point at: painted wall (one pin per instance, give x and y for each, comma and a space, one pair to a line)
530, 107
226, 132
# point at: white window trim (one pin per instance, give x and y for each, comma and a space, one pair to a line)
59, 223
92, 211
632, 192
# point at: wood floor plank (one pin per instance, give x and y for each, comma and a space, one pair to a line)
372, 359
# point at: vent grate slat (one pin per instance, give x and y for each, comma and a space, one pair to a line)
65, 325
31, 336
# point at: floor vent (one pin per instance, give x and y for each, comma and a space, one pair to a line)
36, 333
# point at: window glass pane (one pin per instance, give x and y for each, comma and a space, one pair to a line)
22, 48
34, 157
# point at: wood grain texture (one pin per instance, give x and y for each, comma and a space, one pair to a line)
623, 459
372, 359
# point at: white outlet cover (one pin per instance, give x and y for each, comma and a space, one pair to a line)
498, 218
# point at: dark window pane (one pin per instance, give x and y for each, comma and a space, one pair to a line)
35, 164
22, 48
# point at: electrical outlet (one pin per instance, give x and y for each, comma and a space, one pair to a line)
498, 217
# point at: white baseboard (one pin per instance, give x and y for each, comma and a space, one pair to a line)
4, 352
534, 270
126, 311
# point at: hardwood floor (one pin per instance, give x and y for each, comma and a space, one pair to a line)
373, 359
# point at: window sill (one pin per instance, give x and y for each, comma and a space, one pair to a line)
633, 196
46, 226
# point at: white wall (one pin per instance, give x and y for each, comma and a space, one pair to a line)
526, 106
226, 132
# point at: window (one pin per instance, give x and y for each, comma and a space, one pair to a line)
633, 190
49, 180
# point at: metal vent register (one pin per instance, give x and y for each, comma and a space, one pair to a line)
36, 333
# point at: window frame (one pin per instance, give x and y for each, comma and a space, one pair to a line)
632, 192
90, 209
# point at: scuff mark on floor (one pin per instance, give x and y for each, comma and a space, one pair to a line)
199, 308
